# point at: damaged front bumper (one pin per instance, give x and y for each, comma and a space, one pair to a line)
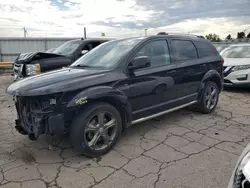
37, 116
18, 71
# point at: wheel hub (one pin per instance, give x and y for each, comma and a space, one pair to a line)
101, 130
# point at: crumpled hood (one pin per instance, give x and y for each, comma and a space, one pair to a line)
63, 80
236, 61
26, 58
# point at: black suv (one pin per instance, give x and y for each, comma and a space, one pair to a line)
29, 64
117, 84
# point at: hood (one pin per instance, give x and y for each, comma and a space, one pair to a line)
63, 80
26, 58
236, 61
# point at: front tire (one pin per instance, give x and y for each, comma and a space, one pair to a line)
96, 129
209, 99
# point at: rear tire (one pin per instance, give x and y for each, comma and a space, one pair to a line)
96, 129
209, 99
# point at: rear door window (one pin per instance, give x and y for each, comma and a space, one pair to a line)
157, 52
204, 49
183, 50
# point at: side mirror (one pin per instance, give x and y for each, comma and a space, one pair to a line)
84, 52
139, 62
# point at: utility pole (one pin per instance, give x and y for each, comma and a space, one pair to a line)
24, 32
145, 31
85, 33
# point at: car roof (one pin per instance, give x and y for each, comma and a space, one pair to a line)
92, 39
180, 36
243, 44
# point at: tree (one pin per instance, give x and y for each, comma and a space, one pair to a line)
229, 37
241, 35
248, 36
213, 37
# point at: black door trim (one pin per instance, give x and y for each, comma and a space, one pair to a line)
164, 103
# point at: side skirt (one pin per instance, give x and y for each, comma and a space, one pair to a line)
163, 112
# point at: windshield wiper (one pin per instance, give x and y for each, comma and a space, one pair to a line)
83, 66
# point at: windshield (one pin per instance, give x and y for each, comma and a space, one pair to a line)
237, 52
67, 48
107, 55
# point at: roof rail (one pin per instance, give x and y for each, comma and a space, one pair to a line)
192, 35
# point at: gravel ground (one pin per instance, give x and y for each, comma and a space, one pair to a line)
182, 149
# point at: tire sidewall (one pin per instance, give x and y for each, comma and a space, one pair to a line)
204, 106
77, 132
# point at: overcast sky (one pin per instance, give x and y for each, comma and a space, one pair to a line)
121, 18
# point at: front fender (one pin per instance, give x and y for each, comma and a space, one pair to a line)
95, 93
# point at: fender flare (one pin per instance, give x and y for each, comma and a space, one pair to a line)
210, 75
98, 92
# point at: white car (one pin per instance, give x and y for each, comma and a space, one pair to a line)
237, 65
241, 174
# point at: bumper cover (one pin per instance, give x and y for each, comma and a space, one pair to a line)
237, 78
53, 126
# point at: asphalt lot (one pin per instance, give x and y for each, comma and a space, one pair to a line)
182, 149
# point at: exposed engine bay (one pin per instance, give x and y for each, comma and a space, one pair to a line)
34, 114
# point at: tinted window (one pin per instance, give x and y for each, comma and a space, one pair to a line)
204, 49
89, 46
183, 50
68, 47
157, 52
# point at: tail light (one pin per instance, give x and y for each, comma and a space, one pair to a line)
222, 61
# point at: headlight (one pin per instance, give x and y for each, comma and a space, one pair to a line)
241, 67
241, 176
33, 69
246, 167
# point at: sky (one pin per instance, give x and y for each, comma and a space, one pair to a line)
122, 18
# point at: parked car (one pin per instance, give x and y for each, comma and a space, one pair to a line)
50, 50
241, 174
237, 65
29, 64
117, 84
220, 46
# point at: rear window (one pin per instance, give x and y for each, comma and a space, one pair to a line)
204, 49
183, 50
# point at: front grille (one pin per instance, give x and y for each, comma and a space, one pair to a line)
227, 70
240, 180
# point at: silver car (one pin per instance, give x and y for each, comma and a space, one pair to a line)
241, 174
237, 65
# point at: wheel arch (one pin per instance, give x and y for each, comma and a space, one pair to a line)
105, 94
213, 76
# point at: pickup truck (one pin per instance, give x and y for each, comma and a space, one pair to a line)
29, 64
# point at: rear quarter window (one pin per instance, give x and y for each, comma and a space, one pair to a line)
205, 50
183, 50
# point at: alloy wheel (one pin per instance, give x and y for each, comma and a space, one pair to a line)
211, 97
101, 130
